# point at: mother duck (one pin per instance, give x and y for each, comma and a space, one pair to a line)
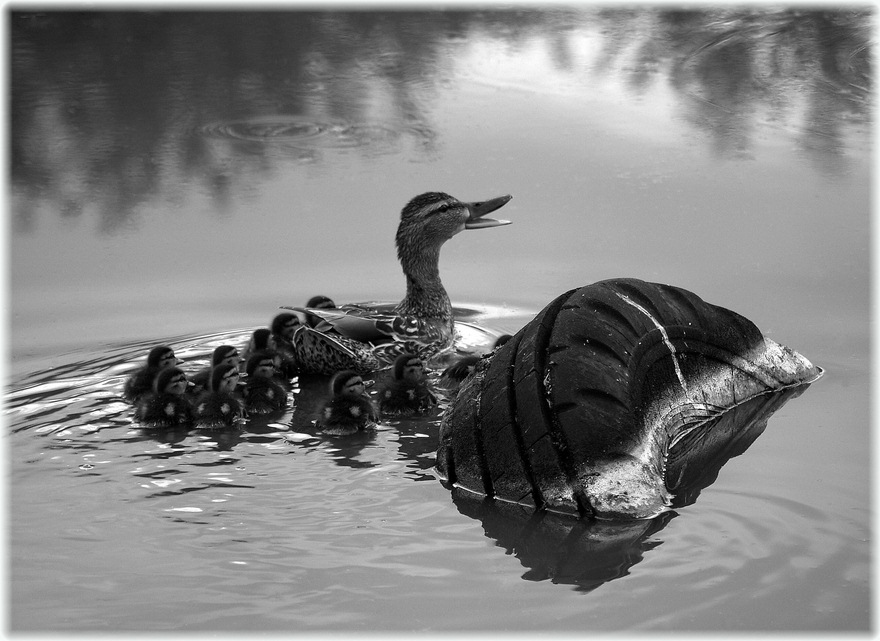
365, 338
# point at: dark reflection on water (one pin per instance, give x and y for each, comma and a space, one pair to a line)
565, 550
588, 553
112, 109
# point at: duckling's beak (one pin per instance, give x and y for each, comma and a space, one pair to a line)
478, 210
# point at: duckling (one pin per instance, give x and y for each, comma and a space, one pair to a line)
407, 392
167, 404
422, 323
282, 331
141, 381
262, 392
501, 341
349, 410
220, 406
223, 355
454, 375
319, 302
258, 342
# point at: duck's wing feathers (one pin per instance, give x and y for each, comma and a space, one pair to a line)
359, 323
369, 325
325, 354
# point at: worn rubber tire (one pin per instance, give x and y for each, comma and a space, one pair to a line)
590, 376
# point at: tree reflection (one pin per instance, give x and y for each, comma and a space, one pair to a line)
108, 108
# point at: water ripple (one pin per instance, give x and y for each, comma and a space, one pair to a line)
306, 134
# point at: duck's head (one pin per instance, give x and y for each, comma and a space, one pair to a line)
501, 341
408, 367
224, 355
170, 380
161, 357
224, 378
347, 383
432, 218
259, 339
261, 365
318, 302
284, 325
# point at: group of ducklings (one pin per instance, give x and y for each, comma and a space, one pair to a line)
216, 397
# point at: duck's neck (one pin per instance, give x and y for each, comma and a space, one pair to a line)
425, 295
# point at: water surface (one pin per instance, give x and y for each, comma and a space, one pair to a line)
175, 177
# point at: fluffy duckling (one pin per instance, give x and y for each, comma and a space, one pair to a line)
140, 382
454, 375
282, 329
319, 302
407, 392
262, 392
350, 410
220, 406
167, 404
258, 342
261, 343
223, 355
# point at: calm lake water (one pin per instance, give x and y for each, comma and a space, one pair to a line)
175, 177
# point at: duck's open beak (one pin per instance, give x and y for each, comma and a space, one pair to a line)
478, 210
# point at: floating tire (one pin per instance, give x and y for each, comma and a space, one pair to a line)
612, 398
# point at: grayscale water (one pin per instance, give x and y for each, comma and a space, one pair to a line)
176, 177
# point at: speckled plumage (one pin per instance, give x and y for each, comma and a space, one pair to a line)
326, 353
422, 323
